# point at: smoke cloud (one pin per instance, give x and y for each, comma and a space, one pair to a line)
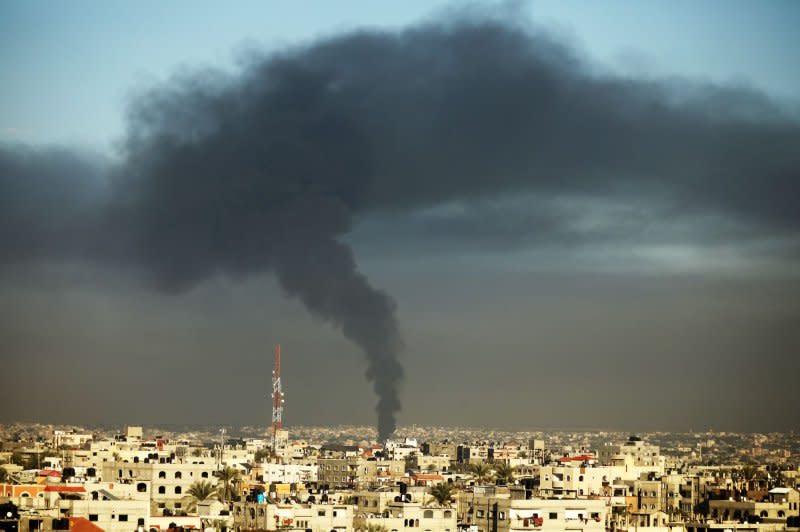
267, 169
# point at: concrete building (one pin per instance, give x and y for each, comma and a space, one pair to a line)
781, 504
574, 482
169, 481
270, 473
501, 512
251, 515
62, 438
402, 516
358, 471
421, 462
400, 450
109, 506
642, 454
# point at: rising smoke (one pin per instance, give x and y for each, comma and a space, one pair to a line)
267, 169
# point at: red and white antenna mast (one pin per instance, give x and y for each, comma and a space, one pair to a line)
277, 399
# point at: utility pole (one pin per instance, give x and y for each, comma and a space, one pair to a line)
221, 447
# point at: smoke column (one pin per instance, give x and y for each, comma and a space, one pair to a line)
269, 185
323, 275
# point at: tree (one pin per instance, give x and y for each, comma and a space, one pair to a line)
442, 493
261, 454
229, 477
373, 527
199, 491
481, 472
504, 473
22, 459
410, 461
197, 452
3, 474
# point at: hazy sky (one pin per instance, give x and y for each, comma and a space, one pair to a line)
567, 214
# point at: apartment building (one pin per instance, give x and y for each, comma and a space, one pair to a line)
169, 481
402, 516
780, 504
358, 471
642, 454
71, 439
112, 507
250, 515
421, 462
573, 482
500, 512
270, 473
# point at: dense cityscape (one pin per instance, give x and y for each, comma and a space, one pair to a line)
436, 479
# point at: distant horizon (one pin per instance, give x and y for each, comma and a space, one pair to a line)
398, 433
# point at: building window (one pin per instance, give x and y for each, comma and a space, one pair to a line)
553, 515
480, 513
141, 487
178, 474
204, 474
92, 517
162, 490
177, 490
123, 517
162, 474
177, 505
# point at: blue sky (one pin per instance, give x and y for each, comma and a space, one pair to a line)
69, 67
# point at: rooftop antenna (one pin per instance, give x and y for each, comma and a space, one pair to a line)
277, 400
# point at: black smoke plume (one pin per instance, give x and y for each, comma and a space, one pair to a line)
262, 175
267, 169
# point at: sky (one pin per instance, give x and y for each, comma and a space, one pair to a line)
523, 215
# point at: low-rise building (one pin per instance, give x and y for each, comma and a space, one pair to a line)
500, 512
251, 515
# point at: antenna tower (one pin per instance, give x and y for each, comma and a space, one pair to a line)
277, 399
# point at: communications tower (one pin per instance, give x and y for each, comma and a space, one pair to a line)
277, 399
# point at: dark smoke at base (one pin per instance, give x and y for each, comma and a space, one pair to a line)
322, 274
